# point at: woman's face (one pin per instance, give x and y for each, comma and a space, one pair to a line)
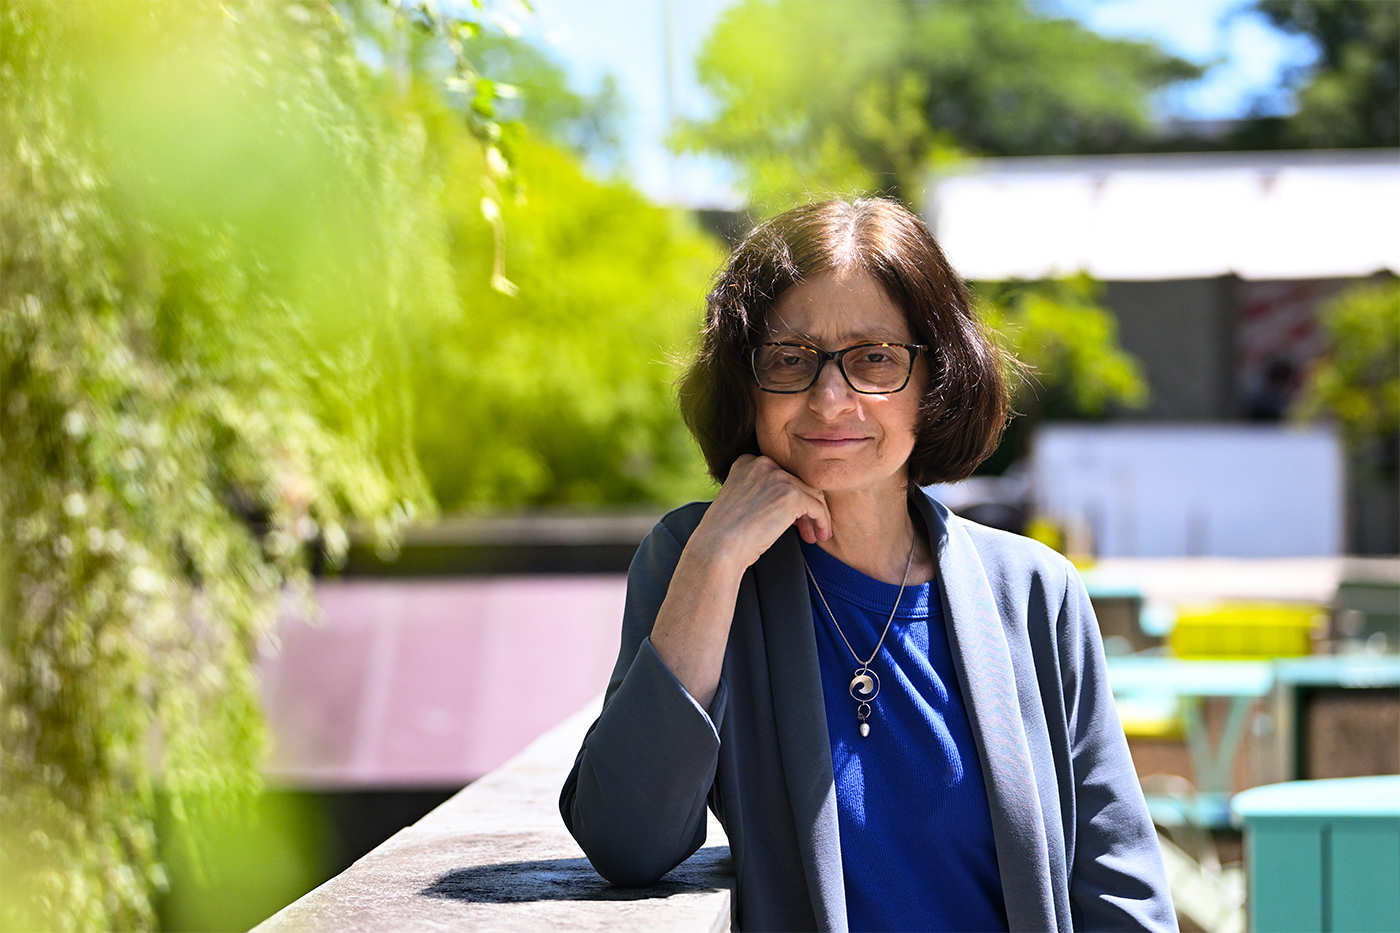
832, 437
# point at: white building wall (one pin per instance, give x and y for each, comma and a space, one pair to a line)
1185, 490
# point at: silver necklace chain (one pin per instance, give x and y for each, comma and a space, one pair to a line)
865, 685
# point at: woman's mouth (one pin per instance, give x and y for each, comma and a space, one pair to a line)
832, 441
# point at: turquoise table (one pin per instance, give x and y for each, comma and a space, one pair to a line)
1323, 855
1242, 682
1358, 671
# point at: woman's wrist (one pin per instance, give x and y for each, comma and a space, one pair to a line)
710, 567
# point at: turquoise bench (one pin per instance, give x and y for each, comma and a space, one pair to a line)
1323, 855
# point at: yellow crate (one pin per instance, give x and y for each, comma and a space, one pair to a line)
1154, 716
1246, 630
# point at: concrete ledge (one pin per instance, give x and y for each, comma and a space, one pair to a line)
525, 543
497, 857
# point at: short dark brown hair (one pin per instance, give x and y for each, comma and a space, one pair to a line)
965, 405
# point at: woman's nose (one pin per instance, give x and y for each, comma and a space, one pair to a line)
831, 393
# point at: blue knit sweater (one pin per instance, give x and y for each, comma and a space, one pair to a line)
916, 833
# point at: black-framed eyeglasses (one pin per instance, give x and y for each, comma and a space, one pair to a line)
868, 368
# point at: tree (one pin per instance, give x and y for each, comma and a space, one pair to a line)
560, 392
1070, 363
214, 222
563, 393
844, 96
1068, 344
1350, 97
539, 98
1357, 383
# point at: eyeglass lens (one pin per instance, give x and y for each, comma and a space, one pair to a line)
874, 368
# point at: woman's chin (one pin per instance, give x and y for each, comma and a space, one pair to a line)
840, 478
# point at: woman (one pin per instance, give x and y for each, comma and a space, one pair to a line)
900, 717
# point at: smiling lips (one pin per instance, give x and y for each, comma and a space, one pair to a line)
832, 441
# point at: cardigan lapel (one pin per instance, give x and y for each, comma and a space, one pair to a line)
800, 721
983, 661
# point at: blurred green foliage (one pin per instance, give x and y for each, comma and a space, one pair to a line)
1067, 342
540, 99
1350, 97
216, 222
1070, 365
1357, 383
231, 871
562, 394
845, 96
255, 290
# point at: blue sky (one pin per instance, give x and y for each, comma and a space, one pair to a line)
1245, 53
628, 39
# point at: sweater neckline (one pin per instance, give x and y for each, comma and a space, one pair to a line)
839, 580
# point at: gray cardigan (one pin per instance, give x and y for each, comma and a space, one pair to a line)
1074, 844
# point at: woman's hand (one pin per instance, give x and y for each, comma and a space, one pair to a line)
757, 503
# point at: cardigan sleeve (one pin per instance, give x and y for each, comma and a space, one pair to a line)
635, 799
1117, 879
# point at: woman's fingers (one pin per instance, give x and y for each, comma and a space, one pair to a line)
759, 501
794, 500
820, 525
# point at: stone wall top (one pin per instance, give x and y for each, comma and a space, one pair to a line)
497, 856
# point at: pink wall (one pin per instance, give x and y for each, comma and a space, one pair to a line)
408, 683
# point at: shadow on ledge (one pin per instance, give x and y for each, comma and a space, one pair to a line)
571, 879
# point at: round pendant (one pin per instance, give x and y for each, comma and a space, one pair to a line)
864, 729
865, 686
